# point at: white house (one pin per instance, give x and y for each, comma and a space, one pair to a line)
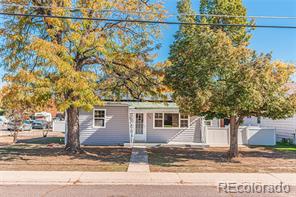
118, 123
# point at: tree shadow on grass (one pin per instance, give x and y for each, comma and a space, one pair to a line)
175, 156
42, 140
53, 147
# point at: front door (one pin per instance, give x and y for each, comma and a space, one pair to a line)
140, 127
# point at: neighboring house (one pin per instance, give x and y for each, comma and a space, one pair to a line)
285, 128
118, 123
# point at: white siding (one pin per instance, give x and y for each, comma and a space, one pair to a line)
59, 126
282, 124
215, 122
115, 133
250, 121
191, 134
285, 128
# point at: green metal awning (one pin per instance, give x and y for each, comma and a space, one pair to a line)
153, 105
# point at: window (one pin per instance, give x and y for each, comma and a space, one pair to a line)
170, 120
158, 120
259, 120
208, 123
100, 118
226, 122
184, 120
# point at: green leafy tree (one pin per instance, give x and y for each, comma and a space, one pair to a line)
84, 61
238, 35
212, 77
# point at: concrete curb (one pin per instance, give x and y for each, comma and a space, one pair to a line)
127, 178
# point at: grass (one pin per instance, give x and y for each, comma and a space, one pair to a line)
43, 140
47, 154
285, 147
251, 160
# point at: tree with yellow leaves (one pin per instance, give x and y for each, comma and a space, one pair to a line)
78, 63
21, 97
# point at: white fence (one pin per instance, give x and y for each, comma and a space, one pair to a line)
58, 126
246, 136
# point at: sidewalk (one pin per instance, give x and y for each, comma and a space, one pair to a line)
139, 160
138, 178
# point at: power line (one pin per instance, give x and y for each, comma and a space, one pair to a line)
143, 12
147, 21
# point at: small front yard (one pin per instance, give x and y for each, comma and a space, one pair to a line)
46, 154
281, 158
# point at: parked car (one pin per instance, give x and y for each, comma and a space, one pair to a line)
40, 124
25, 126
43, 116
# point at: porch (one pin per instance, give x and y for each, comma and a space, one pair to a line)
158, 124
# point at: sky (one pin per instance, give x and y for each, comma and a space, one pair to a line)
281, 42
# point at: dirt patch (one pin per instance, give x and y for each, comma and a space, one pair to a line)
33, 152
51, 157
6, 137
257, 159
6, 140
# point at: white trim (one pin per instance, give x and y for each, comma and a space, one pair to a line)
105, 111
170, 127
145, 126
141, 137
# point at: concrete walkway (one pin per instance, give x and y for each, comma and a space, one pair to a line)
139, 160
139, 178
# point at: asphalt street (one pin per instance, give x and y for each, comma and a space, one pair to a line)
117, 191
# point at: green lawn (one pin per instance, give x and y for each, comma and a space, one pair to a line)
285, 147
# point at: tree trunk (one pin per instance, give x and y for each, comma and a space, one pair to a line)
234, 125
16, 130
15, 135
73, 142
